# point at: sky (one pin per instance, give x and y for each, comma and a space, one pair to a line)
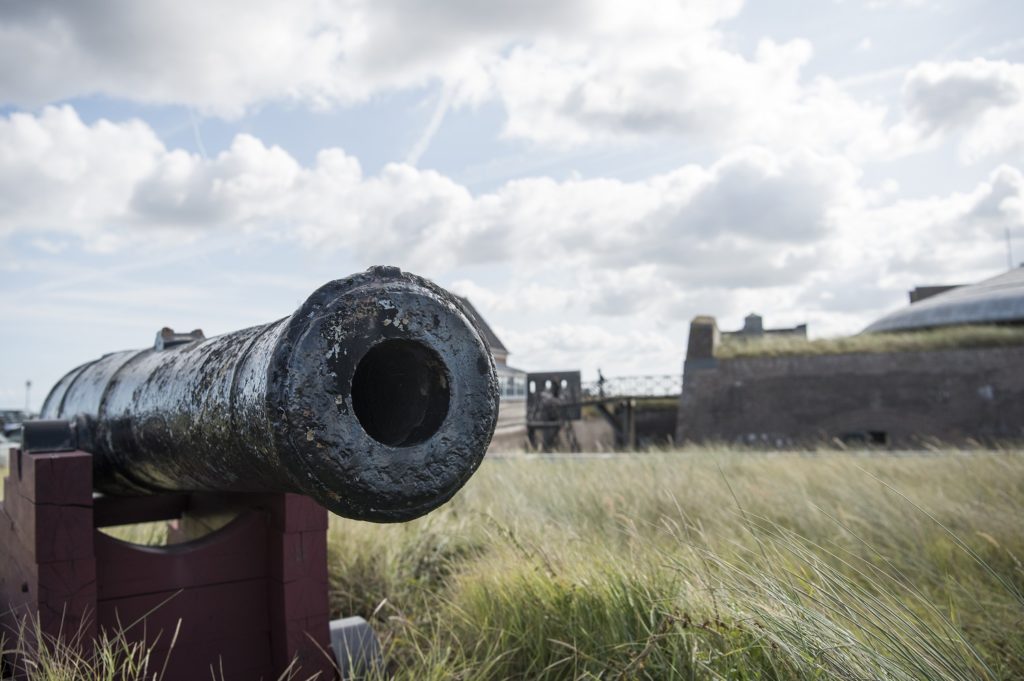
592, 174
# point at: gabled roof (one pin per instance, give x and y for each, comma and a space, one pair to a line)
492, 340
999, 300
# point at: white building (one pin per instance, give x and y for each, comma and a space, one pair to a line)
511, 430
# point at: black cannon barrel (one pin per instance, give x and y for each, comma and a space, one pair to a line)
377, 397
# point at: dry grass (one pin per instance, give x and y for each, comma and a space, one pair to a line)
698, 564
46, 658
703, 564
949, 338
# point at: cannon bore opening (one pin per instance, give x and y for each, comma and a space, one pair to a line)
400, 392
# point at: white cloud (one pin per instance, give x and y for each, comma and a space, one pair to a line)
219, 57
982, 99
789, 203
567, 73
50, 246
58, 174
882, 251
754, 230
225, 57
657, 82
878, 4
876, 247
533, 296
563, 346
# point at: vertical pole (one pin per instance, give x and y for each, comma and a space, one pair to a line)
631, 410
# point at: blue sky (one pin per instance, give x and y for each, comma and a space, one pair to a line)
591, 174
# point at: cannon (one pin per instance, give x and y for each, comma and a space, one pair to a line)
377, 398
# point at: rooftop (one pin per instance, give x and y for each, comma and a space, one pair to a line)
491, 338
999, 300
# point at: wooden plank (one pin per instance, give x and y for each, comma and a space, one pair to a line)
63, 478
68, 588
307, 642
302, 640
16, 508
62, 533
236, 553
299, 599
77, 628
18, 586
61, 594
49, 532
244, 656
205, 612
10, 488
50, 529
52, 533
298, 555
219, 586
114, 511
294, 512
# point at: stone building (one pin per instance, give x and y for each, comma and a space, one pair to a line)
883, 398
753, 330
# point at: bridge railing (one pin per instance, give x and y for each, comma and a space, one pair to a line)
654, 385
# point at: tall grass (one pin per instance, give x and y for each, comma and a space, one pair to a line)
37, 655
946, 338
113, 656
703, 564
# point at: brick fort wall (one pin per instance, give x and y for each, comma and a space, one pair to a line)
898, 398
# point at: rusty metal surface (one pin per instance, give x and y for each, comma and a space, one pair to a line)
377, 398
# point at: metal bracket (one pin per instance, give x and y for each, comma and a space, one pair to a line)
168, 338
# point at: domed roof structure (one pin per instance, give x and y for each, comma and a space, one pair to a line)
999, 300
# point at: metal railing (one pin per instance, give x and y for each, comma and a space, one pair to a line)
656, 385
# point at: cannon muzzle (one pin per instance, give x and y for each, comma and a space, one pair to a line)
377, 397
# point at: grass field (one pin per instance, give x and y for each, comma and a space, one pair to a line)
702, 564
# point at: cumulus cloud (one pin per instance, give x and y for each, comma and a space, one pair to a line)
561, 346
58, 174
882, 251
655, 81
540, 298
567, 73
873, 248
983, 99
786, 209
107, 180
227, 56
877, 4
762, 227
